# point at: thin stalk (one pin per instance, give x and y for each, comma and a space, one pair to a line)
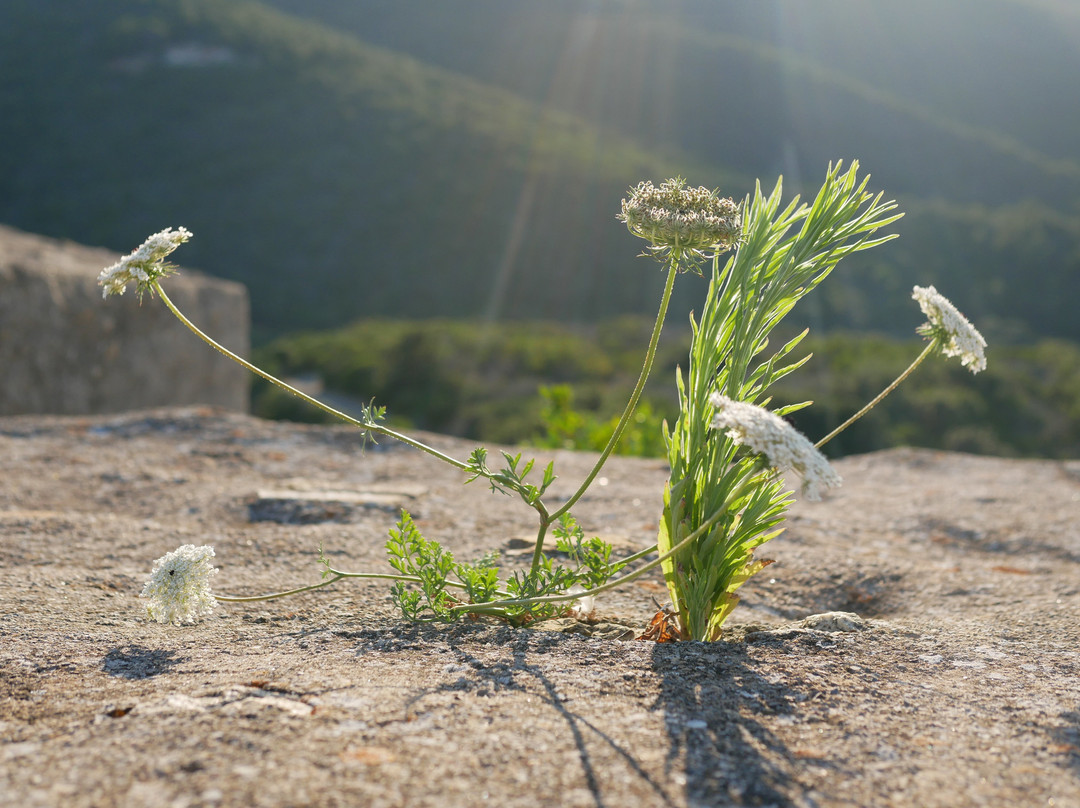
929, 349
253, 598
370, 426
545, 523
337, 576
631, 405
630, 559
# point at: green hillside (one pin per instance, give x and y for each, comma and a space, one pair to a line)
334, 177
955, 99
408, 158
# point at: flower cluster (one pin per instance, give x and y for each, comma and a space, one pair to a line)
144, 266
950, 328
694, 221
766, 433
179, 585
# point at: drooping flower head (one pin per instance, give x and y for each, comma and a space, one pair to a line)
179, 585
145, 265
768, 434
950, 328
695, 221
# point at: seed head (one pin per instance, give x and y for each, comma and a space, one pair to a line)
696, 222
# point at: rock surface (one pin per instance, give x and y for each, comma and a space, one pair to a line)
948, 678
64, 350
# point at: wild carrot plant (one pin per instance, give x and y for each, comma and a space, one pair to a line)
725, 496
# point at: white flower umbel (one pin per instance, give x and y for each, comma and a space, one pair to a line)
950, 329
768, 434
144, 266
179, 586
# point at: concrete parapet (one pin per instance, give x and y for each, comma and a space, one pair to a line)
64, 350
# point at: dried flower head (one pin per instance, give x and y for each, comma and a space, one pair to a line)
179, 585
950, 328
695, 221
145, 265
785, 447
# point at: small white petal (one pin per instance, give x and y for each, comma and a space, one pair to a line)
584, 607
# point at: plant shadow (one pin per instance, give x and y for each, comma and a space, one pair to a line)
718, 702
519, 671
716, 707
1067, 736
136, 662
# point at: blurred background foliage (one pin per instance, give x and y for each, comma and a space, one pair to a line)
445, 175
483, 382
536, 382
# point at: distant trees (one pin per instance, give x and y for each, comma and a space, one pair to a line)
541, 383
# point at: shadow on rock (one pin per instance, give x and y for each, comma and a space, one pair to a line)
1067, 736
517, 673
711, 696
505, 675
135, 662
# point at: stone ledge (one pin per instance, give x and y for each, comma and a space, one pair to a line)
66, 351
931, 671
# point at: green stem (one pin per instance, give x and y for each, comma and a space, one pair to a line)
495, 606
650, 354
338, 575
630, 559
631, 405
541, 533
370, 426
929, 349
253, 598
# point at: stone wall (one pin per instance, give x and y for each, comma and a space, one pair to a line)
64, 350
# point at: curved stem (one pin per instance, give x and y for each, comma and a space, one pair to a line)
929, 349
253, 598
370, 426
338, 575
387, 576
631, 405
545, 523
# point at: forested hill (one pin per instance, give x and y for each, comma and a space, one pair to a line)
350, 158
